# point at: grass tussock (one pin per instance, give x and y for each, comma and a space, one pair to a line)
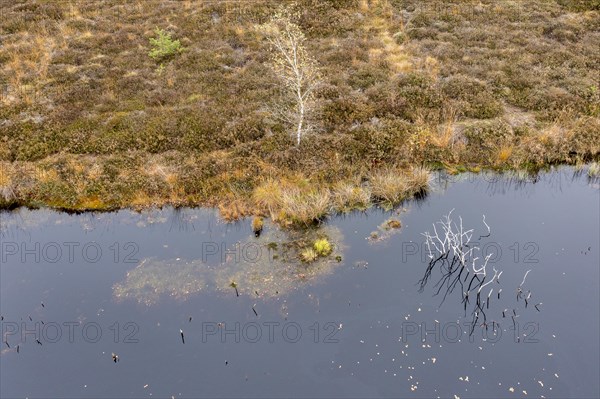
304, 206
347, 197
297, 201
257, 225
390, 187
321, 248
293, 203
308, 255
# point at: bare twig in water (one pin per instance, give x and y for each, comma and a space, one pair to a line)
449, 248
524, 277
489, 233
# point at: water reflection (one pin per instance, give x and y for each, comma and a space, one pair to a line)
520, 182
457, 260
392, 341
266, 266
453, 255
271, 264
154, 278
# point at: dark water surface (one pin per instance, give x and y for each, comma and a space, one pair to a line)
126, 283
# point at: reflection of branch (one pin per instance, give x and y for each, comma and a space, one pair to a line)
455, 258
520, 289
524, 277
449, 249
488, 228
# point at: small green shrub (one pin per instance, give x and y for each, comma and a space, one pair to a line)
163, 46
400, 37
322, 247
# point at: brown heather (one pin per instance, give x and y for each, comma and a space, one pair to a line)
88, 120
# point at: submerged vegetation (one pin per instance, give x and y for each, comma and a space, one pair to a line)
322, 247
154, 278
273, 264
308, 255
281, 261
385, 230
88, 121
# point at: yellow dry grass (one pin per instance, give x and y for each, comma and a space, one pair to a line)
91, 203
26, 69
46, 175
348, 196
234, 209
391, 186
5, 177
377, 22
292, 202
505, 153
445, 134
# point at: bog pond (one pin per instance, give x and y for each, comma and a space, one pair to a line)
176, 303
